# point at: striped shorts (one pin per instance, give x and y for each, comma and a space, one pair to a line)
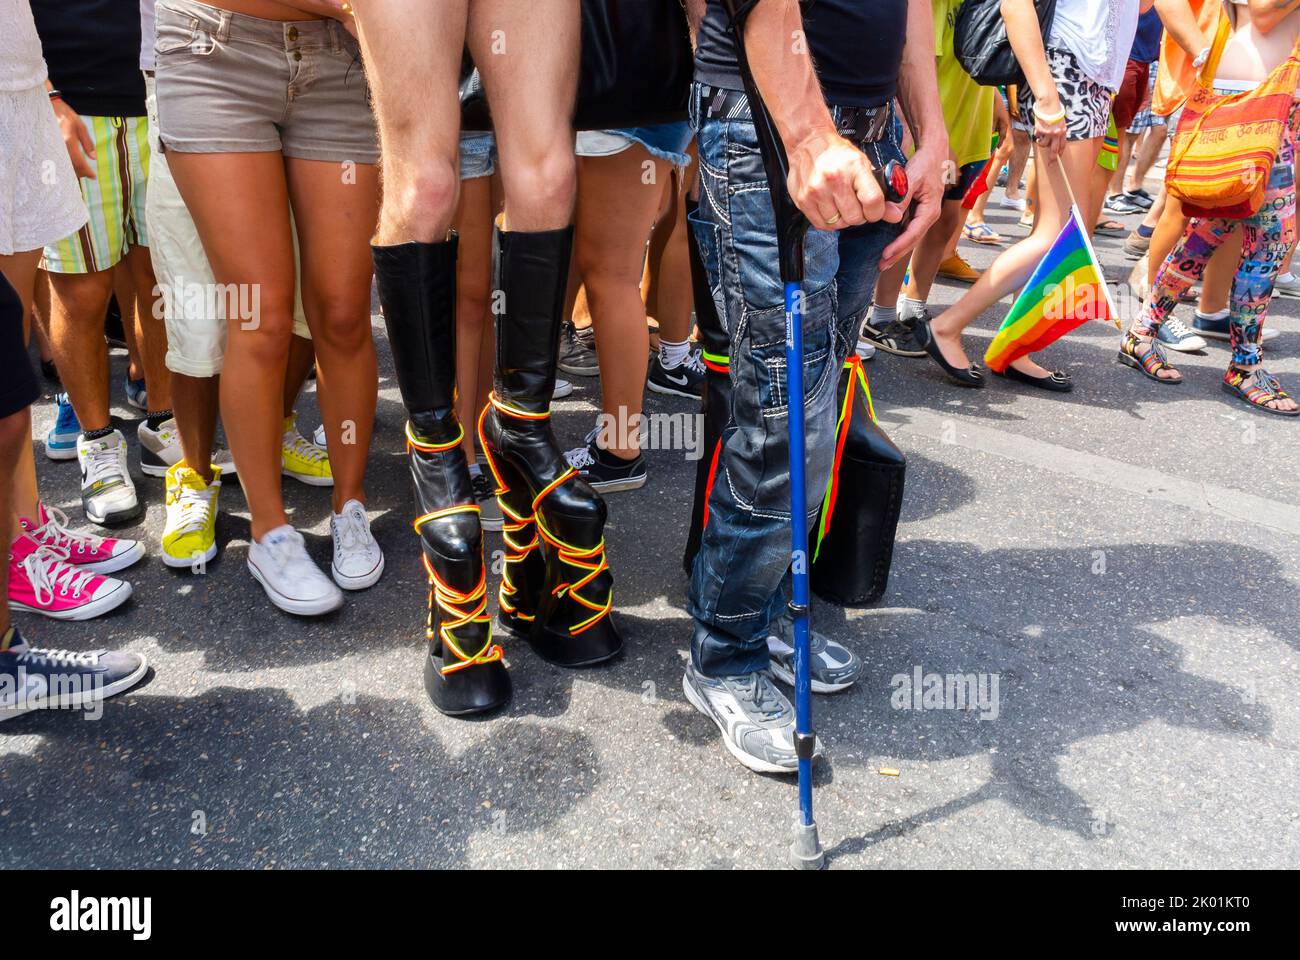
115, 199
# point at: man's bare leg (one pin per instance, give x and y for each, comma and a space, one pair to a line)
78, 302
149, 328
527, 54
419, 133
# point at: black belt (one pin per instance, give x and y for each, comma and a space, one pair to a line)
856, 124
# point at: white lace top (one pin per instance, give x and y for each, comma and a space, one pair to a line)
1099, 33
21, 64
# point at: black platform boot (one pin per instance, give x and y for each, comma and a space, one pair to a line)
544, 500
463, 669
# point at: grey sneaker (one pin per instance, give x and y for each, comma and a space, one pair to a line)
1287, 288
833, 666
893, 337
756, 721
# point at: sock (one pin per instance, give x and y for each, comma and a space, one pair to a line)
671, 354
1145, 232
475, 470
98, 434
882, 315
909, 307
156, 419
1217, 315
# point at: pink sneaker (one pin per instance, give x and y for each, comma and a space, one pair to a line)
96, 554
41, 580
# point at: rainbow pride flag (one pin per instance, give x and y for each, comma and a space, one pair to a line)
1066, 290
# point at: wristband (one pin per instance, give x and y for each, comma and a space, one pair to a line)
1052, 120
1201, 58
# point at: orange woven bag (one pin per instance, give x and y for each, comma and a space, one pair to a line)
1223, 152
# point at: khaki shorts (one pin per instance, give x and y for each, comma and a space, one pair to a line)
231, 83
196, 335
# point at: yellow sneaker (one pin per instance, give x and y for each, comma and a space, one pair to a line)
302, 459
190, 537
956, 268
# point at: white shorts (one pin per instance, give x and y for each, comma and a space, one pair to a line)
40, 199
196, 333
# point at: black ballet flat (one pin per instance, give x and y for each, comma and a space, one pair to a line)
971, 376
1058, 381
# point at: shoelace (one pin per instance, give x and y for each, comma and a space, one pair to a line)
759, 690
194, 503
48, 570
483, 488
57, 658
694, 361
352, 530
1178, 328
103, 462
55, 533
304, 448
580, 457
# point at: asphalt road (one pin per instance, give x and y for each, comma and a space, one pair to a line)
1121, 561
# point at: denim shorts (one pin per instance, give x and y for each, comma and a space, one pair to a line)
231, 83
478, 155
666, 141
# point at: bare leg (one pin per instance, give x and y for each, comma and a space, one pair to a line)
194, 401
1012, 268
124, 293
670, 266
615, 214
20, 270
15, 433
77, 305
474, 217
221, 189
531, 86
1016, 165
302, 355
334, 222
419, 135
933, 248
1147, 153
150, 330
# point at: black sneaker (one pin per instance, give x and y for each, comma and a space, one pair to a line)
894, 337
606, 471
32, 678
684, 380
489, 511
577, 352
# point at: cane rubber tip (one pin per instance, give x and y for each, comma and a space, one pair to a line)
806, 852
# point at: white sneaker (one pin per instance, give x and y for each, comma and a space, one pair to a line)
562, 389
160, 450
358, 561
1013, 204
107, 493
279, 562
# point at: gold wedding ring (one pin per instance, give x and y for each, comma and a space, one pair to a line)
834, 219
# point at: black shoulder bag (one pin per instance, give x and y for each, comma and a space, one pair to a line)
981, 44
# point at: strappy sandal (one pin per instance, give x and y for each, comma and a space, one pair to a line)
982, 233
971, 376
1147, 357
1258, 388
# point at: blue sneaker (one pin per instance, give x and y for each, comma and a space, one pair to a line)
61, 441
1216, 328
136, 395
1176, 335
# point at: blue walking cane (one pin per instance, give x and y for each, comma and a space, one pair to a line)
791, 226
806, 852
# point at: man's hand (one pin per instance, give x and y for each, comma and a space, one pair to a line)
80, 144
834, 184
925, 179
